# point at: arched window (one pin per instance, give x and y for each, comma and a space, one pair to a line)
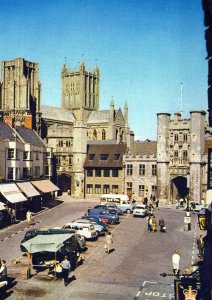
94, 134
103, 134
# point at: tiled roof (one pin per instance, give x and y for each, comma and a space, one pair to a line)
111, 150
101, 142
144, 148
99, 116
56, 113
6, 132
30, 136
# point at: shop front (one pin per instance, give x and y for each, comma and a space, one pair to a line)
14, 199
32, 194
46, 188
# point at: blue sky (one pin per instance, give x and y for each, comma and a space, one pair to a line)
144, 49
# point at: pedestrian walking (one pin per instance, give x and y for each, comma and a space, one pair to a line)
200, 245
65, 264
28, 217
154, 224
157, 203
3, 270
162, 224
176, 263
12, 215
149, 223
108, 243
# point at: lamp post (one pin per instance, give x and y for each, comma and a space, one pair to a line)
124, 167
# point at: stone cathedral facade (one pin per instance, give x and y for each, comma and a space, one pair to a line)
66, 128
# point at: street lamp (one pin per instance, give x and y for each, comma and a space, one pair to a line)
124, 167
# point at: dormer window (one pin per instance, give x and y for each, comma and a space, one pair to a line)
91, 156
104, 156
116, 156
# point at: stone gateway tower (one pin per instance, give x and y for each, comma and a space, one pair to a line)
180, 156
20, 92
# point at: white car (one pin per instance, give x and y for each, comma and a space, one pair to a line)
140, 210
196, 207
99, 229
86, 230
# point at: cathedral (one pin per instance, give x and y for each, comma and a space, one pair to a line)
68, 128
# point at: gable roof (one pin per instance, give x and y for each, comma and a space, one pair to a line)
30, 136
7, 133
57, 114
99, 116
144, 148
111, 150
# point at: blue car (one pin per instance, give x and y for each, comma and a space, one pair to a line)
103, 214
97, 220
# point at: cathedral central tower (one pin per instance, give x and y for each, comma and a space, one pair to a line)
80, 91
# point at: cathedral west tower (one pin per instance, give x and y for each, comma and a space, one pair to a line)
20, 92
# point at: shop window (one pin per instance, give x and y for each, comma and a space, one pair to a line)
10, 173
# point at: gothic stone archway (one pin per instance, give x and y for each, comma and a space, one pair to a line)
179, 188
64, 183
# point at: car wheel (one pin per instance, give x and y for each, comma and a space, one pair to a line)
128, 211
112, 222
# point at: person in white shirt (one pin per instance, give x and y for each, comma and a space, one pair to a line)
3, 271
176, 263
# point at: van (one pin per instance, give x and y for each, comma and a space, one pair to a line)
86, 230
122, 201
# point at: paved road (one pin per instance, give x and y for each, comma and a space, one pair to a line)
132, 271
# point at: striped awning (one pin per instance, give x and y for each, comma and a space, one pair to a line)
45, 186
12, 193
28, 189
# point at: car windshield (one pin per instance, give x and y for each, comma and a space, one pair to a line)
140, 207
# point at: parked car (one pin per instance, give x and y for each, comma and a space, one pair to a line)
122, 201
97, 220
99, 228
112, 218
86, 230
140, 210
196, 207
112, 208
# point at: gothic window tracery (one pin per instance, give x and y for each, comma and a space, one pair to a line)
103, 134
94, 134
